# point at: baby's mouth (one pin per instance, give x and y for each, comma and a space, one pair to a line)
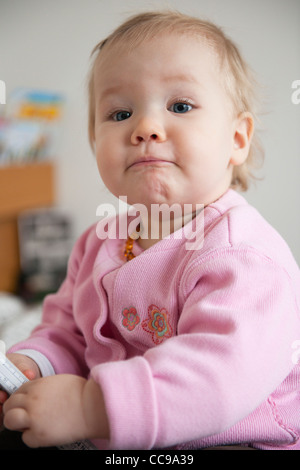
149, 161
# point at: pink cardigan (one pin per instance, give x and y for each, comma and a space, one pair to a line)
192, 348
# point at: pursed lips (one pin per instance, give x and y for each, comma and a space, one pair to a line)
149, 161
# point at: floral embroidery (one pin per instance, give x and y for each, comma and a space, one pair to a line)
131, 318
158, 324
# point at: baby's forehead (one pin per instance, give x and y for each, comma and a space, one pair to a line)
143, 49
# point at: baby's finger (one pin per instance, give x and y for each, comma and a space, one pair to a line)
30, 374
16, 419
3, 396
16, 400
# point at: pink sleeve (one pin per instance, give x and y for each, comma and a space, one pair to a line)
232, 349
57, 336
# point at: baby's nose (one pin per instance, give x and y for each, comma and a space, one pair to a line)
147, 130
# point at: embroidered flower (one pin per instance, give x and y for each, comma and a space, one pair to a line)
158, 324
131, 318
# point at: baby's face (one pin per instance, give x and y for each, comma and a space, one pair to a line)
165, 131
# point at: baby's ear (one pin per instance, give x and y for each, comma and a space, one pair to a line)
243, 132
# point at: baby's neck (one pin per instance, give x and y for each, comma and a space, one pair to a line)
153, 231
146, 242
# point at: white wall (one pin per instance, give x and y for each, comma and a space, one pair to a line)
46, 44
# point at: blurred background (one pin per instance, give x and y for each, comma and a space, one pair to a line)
49, 183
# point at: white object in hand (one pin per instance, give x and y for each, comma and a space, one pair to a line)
11, 378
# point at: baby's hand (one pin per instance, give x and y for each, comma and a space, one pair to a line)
27, 366
56, 410
3, 398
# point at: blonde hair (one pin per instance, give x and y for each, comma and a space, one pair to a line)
239, 82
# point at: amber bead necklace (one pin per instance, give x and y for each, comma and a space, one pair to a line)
129, 244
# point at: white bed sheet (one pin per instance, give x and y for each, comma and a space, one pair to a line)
17, 319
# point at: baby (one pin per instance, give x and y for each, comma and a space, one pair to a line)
148, 344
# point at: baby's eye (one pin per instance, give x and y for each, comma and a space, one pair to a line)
181, 107
121, 115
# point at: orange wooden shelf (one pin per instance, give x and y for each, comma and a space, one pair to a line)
22, 187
